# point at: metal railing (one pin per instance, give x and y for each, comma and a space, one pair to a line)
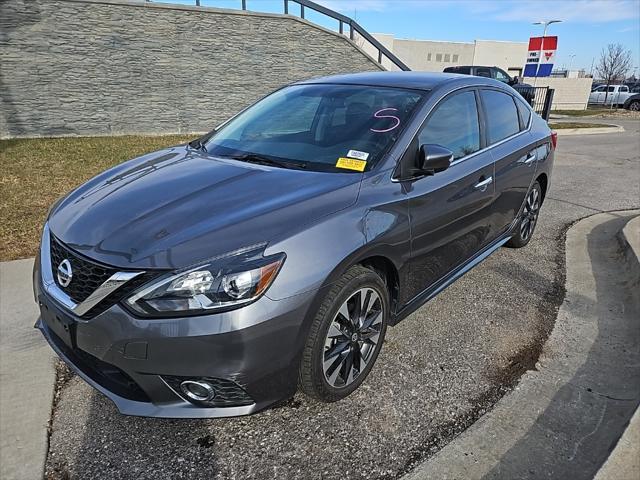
343, 20
540, 98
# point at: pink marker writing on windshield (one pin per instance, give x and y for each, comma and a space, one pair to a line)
377, 115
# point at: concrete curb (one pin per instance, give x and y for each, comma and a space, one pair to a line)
564, 418
589, 131
27, 377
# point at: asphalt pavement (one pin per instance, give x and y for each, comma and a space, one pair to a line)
439, 370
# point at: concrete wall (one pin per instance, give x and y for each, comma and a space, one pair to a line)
91, 67
510, 56
570, 93
435, 56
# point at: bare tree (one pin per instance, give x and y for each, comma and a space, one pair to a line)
614, 63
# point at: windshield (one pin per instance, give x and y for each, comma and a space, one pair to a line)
320, 127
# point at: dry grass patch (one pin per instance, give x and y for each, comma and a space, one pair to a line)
35, 172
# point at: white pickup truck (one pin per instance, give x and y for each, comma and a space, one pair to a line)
613, 94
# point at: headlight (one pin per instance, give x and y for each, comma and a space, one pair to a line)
222, 284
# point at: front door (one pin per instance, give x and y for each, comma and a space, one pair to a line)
450, 211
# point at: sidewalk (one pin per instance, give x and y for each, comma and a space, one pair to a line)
566, 416
26, 377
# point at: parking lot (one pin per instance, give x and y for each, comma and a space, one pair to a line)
439, 370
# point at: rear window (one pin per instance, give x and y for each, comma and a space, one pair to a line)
502, 115
525, 113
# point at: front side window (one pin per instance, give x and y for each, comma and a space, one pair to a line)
454, 125
483, 72
502, 115
313, 126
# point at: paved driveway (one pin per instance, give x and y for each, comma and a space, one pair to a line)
439, 369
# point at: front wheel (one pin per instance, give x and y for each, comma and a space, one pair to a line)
346, 336
634, 106
528, 218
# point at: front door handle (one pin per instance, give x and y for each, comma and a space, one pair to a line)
483, 184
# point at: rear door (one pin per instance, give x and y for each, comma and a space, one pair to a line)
507, 134
597, 96
450, 211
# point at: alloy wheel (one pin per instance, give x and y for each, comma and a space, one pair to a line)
530, 214
352, 337
634, 106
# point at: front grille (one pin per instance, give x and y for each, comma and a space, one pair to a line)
87, 275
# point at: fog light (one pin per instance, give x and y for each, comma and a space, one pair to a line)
197, 390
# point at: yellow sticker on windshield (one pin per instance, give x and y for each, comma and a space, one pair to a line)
351, 164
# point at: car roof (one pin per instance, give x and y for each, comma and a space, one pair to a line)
414, 80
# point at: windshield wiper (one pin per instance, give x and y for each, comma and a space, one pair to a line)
198, 145
262, 160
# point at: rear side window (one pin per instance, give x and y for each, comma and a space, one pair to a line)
483, 72
454, 125
524, 112
502, 115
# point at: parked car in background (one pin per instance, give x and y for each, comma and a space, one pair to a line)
632, 103
215, 278
496, 73
614, 95
634, 87
481, 71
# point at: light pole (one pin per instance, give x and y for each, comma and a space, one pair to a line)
546, 24
570, 62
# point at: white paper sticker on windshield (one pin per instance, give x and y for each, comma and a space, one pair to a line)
357, 154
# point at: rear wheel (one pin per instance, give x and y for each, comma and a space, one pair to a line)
634, 106
528, 218
345, 336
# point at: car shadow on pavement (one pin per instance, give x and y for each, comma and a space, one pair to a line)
576, 432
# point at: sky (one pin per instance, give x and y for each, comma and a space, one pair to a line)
587, 25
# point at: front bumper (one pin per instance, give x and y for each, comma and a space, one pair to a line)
129, 359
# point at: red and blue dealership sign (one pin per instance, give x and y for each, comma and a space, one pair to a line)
542, 51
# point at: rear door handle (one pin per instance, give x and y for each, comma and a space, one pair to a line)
531, 157
482, 185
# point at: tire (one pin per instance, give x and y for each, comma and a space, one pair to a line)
334, 342
526, 225
634, 106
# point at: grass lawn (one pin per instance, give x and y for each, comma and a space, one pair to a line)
557, 126
582, 113
35, 172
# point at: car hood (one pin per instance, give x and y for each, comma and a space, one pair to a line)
177, 207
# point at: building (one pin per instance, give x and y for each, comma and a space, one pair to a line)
434, 56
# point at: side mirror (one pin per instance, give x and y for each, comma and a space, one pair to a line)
434, 158
515, 80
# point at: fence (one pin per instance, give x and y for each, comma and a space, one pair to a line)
540, 98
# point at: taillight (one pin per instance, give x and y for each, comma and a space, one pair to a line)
554, 139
